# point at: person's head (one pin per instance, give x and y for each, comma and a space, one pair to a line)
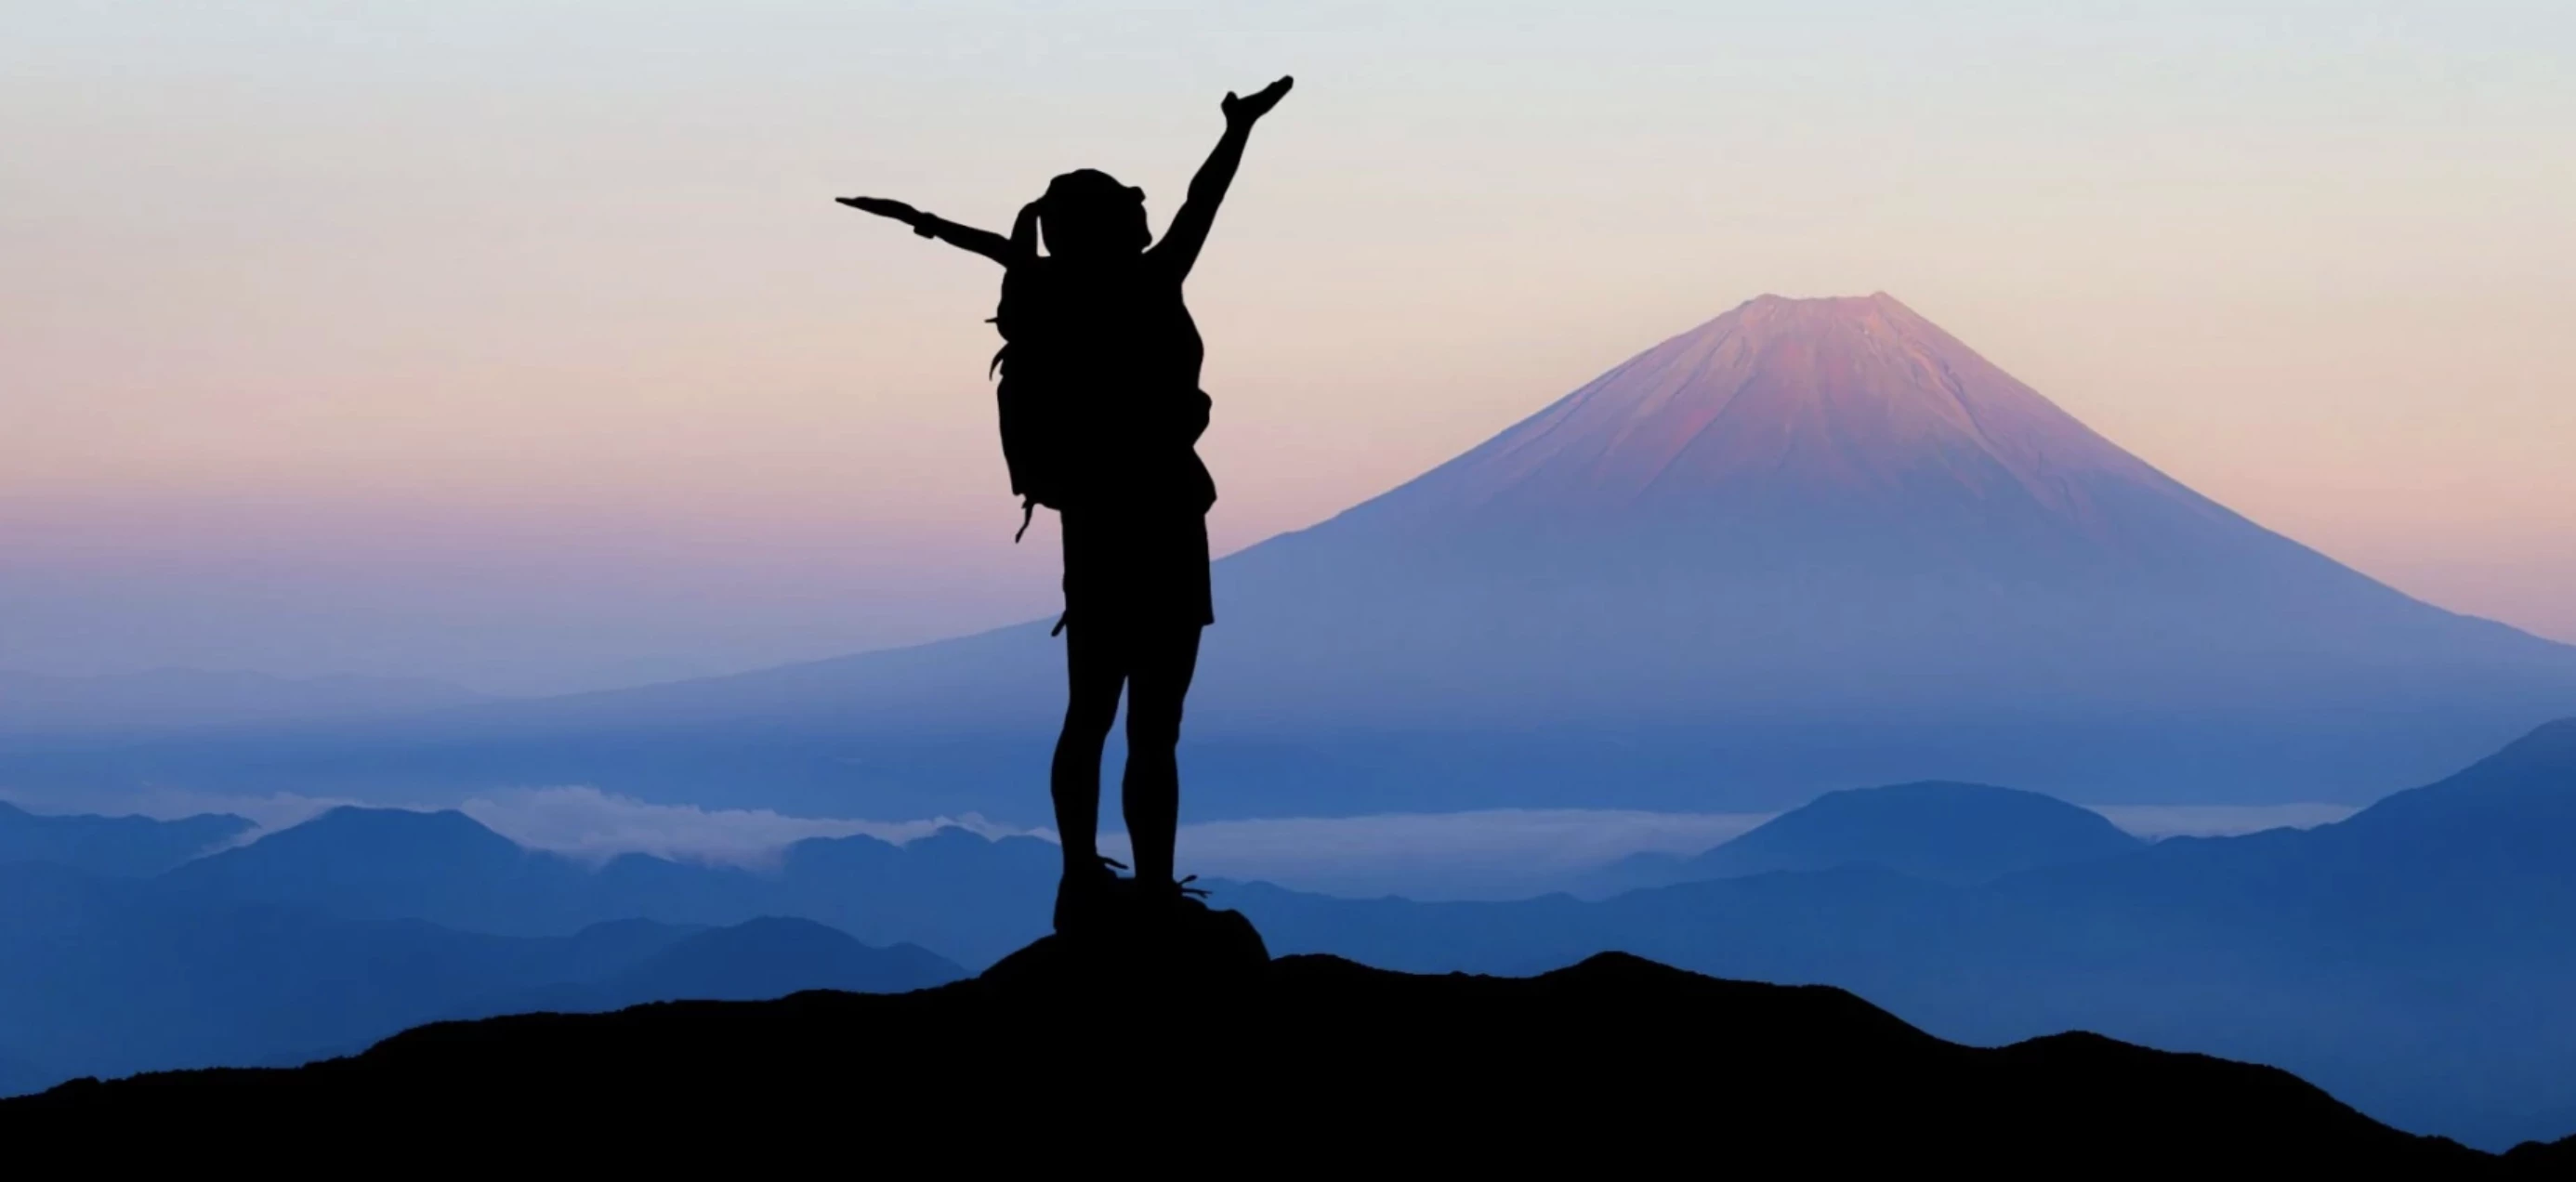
1088, 214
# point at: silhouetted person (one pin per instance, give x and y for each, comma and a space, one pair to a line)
1102, 412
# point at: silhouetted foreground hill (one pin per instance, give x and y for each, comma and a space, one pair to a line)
1614, 1059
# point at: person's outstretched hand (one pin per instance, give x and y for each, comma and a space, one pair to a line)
1242, 111
883, 208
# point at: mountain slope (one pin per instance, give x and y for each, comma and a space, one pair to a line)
1827, 511
1831, 401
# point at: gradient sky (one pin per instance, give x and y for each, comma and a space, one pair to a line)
519, 344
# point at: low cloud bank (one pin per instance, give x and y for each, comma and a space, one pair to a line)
1490, 854
587, 823
576, 820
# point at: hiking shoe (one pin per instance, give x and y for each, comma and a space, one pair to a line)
1171, 896
1082, 895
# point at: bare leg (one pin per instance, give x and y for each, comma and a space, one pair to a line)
1162, 664
1094, 669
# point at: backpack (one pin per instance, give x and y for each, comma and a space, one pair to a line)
1035, 411
1048, 437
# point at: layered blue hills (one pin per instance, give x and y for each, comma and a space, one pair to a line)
320, 939
2414, 959
109, 977
953, 891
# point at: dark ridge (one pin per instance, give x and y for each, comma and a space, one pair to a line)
1616, 1061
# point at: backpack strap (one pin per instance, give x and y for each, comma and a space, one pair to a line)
1028, 510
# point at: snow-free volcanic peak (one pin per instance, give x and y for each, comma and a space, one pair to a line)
1829, 522
1826, 407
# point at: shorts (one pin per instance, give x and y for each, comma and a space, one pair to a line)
1129, 569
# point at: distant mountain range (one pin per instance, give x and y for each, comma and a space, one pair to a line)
2414, 959
112, 846
952, 891
1808, 545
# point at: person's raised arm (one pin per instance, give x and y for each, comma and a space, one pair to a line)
984, 242
1189, 230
